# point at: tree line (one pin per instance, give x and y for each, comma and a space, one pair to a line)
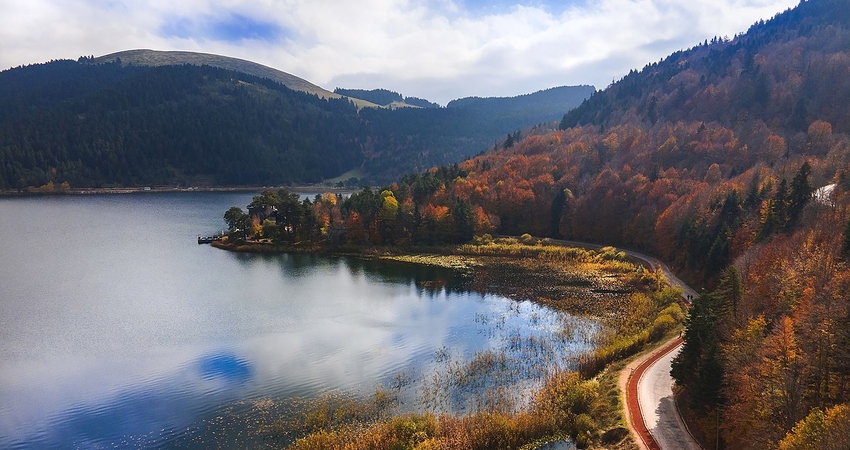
394, 216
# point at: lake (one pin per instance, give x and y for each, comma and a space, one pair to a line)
117, 330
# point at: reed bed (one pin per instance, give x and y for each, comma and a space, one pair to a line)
561, 409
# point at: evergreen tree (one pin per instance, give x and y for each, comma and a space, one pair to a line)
845, 246
698, 366
775, 213
801, 192
509, 141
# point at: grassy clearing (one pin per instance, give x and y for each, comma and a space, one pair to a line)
353, 173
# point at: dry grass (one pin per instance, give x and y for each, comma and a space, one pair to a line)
563, 407
646, 319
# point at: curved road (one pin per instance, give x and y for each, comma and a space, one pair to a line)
657, 404
651, 410
651, 398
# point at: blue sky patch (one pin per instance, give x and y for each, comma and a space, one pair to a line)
232, 28
238, 27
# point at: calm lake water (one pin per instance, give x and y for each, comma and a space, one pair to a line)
117, 330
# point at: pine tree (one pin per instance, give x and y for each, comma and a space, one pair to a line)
775, 213
845, 247
801, 192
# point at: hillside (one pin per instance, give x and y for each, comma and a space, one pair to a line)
139, 120
386, 98
538, 107
156, 58
110, 125
708, 159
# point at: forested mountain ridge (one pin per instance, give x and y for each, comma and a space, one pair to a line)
779, 72
144, 57
106, 124
708, 158
536, 107
143, 121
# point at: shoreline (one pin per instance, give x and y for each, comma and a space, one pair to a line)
301, 189
580, 284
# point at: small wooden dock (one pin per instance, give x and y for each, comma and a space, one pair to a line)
209, 239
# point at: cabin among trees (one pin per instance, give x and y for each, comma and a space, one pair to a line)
367, 217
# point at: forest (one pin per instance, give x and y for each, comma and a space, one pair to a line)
106, 125
730, 160
87, 124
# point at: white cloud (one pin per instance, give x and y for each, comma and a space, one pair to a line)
428, 48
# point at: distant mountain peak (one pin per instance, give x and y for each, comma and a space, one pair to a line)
146, 57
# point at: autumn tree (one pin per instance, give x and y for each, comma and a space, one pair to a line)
386, 220
783, 368
355, 232
742, 386
820, 430
774, 212
819, 135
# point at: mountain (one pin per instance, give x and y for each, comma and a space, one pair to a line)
174, 58
709, 159
538, 107
176, 118
112, 125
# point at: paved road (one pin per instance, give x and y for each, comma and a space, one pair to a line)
654, 388
655, 385
658, 407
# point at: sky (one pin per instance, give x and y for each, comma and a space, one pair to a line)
434, 49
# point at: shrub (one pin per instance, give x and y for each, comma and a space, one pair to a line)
660, 326
667, 296
674, 311
507, 241
584, 427
611, 254
485, 239
410, 430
